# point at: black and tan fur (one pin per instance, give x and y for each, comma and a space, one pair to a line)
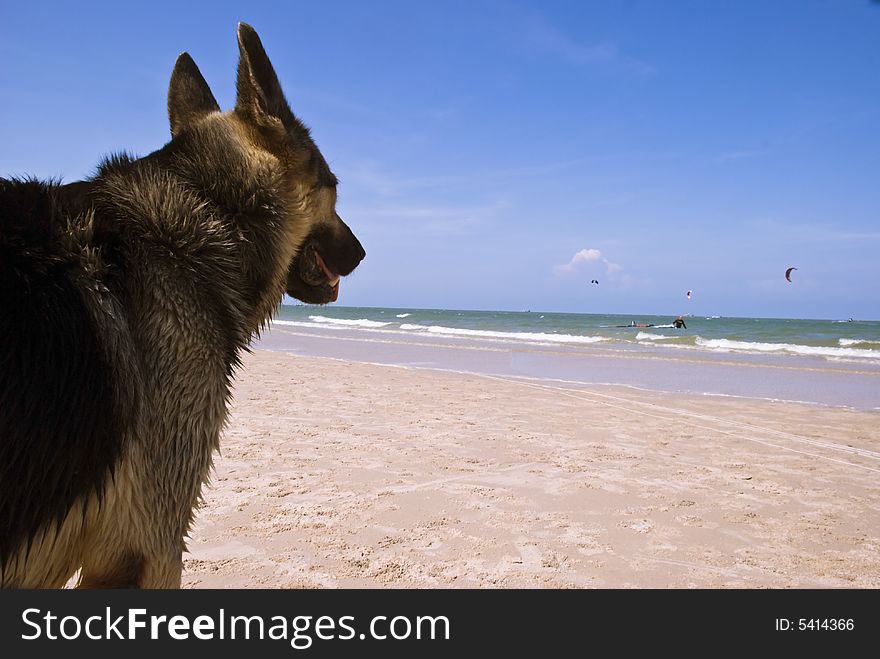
125, 303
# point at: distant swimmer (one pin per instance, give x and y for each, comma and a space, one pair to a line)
788, 274
678, 323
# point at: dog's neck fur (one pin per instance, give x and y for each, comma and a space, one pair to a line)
251, 210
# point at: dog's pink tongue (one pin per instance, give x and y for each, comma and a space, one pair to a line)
332, 278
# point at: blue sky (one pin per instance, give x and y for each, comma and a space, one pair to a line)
501, 154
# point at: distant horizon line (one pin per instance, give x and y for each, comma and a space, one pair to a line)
572, 313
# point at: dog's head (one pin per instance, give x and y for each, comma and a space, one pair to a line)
323, 247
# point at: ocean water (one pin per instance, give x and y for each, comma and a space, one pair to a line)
832, 362
842, 340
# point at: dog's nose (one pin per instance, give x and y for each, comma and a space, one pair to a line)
355, 250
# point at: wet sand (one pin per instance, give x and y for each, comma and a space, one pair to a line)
834, 382
342, 474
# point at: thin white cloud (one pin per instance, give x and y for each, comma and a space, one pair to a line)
803, 232
385, 180
415, 219
741, 154
547, 37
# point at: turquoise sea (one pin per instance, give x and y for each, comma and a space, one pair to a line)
840, 339
831, 362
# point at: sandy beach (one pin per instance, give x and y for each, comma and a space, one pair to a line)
342, 474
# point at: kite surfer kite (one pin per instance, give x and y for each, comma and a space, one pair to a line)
788, 274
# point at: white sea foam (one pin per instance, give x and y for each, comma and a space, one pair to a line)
858, 342
404, 315
302, 323
348, 322
727, 345
538, 337
647, 336
864, 350
364, 324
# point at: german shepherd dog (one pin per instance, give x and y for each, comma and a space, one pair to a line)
125, 303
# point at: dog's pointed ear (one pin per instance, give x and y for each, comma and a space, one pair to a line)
259, 92
189, 97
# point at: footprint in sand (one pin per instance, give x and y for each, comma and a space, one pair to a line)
530, 555
639, 525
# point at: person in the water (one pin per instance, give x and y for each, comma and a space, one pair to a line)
678, 323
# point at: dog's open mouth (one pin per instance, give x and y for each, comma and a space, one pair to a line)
310, 279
